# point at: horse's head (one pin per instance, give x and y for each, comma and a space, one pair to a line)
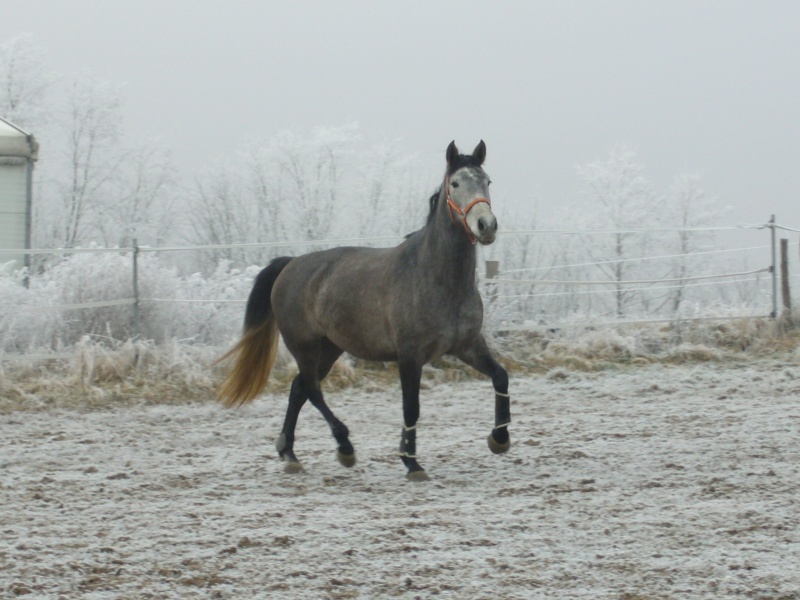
466, 188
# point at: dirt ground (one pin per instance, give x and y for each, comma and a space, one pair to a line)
640, 483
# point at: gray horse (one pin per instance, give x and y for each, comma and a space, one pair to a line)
412, 304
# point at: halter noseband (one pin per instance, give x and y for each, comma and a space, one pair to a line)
452, 206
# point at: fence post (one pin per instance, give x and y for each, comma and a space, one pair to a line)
774, 271
135, 255
786, 316
492, 270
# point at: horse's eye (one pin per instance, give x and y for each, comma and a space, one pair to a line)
454, 184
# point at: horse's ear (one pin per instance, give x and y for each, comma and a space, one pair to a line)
479, 154
452, 152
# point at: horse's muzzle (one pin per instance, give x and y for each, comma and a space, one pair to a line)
486, 229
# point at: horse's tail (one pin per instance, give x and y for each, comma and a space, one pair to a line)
255, 353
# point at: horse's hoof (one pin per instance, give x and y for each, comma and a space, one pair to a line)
420, 475
496, 447
292, 467
347, 460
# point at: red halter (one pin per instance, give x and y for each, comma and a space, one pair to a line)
452, 206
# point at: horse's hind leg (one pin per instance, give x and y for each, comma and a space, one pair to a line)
345, 452
478, 357
314, 360
285, 445
329, 353
315, 363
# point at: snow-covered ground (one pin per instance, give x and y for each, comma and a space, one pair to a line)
645, 482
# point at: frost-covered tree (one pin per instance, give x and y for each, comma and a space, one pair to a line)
526, 257
97, 187
688, 208
267, 212
221, 213
287, 188
83, 182
389, 195
24, 83
142, 206
90, 187
621, 199
294, 188
313, 176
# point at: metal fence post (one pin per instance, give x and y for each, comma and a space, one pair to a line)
786, 298
492, 270
135, 255
774, 271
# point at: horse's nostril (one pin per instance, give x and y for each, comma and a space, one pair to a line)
486, 225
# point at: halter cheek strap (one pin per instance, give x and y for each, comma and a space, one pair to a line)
452, 206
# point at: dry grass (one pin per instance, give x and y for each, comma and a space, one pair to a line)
102, 374
99, 374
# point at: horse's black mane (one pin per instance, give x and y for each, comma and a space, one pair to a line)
433, 201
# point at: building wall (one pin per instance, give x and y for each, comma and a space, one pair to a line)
13, 198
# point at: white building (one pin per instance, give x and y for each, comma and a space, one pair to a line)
18, 151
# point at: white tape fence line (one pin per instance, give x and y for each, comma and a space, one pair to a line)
141, 301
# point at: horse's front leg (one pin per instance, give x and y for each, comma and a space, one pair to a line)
410, 376
478, 357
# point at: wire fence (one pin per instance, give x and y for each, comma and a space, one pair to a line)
603, 292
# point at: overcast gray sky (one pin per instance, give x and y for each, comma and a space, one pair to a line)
707, 87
